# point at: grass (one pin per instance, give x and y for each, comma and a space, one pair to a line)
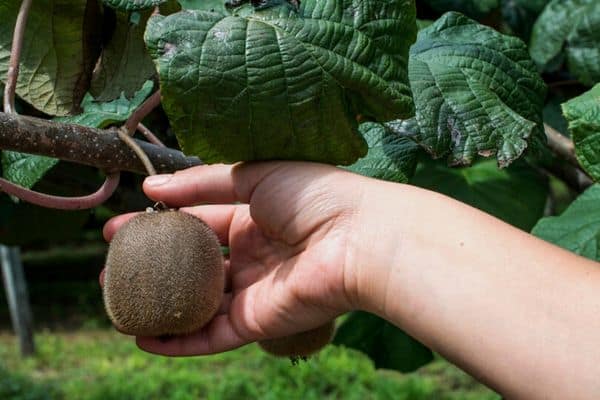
101, 364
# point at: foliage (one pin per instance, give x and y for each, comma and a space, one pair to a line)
383, 342
578, 228
583, 115
472, 8
391, 156
103, 365
57, 65
516, 195
133, 5
571, 28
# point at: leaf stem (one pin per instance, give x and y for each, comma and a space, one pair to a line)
151, 137
138, 115
63, 203
15, 56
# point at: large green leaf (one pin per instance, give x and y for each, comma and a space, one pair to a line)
27, 169
571, 26
520, 15
59, 52
578, 228
472, 8
132, 5
391, 157
385, 344
476, 92
516, 195
281, 83
124, 63
583, 115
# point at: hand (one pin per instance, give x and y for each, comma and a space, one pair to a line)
289, 266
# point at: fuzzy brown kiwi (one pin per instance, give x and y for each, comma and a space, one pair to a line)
164, 275
301, 344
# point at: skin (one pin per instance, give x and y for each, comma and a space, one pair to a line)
309, 242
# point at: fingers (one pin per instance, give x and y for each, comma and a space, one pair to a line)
217, 183
218, 217
218, 336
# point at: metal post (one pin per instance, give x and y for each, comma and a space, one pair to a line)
16, 295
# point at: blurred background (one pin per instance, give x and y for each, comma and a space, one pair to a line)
79, 356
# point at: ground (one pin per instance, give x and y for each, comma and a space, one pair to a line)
102, 364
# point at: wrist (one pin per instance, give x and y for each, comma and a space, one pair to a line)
388, 212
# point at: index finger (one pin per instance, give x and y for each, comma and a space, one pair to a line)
218, 217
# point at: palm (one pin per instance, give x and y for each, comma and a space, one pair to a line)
285, 272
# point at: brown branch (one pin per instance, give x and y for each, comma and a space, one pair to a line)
15, 56
561, 145
138, 115
83, 145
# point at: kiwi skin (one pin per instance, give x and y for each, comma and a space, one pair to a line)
301, 344
164, 275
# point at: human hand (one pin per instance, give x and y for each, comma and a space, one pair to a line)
289, 266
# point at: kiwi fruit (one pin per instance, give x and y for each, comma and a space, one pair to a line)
300, 345
164, 275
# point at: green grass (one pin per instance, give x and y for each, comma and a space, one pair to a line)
103, 365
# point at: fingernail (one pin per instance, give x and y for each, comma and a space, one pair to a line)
158, 180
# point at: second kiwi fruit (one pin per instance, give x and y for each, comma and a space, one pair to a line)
164, 275
300, 345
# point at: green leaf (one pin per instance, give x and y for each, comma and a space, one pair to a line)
516, 195
124, 63
385, 344
583, 115
207, 5
583, 46
281, 83
100, 115
58, 55
571, 27
25, 169
476, 92
520, 15
133, 5
578, 228
472, 8
391, 156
